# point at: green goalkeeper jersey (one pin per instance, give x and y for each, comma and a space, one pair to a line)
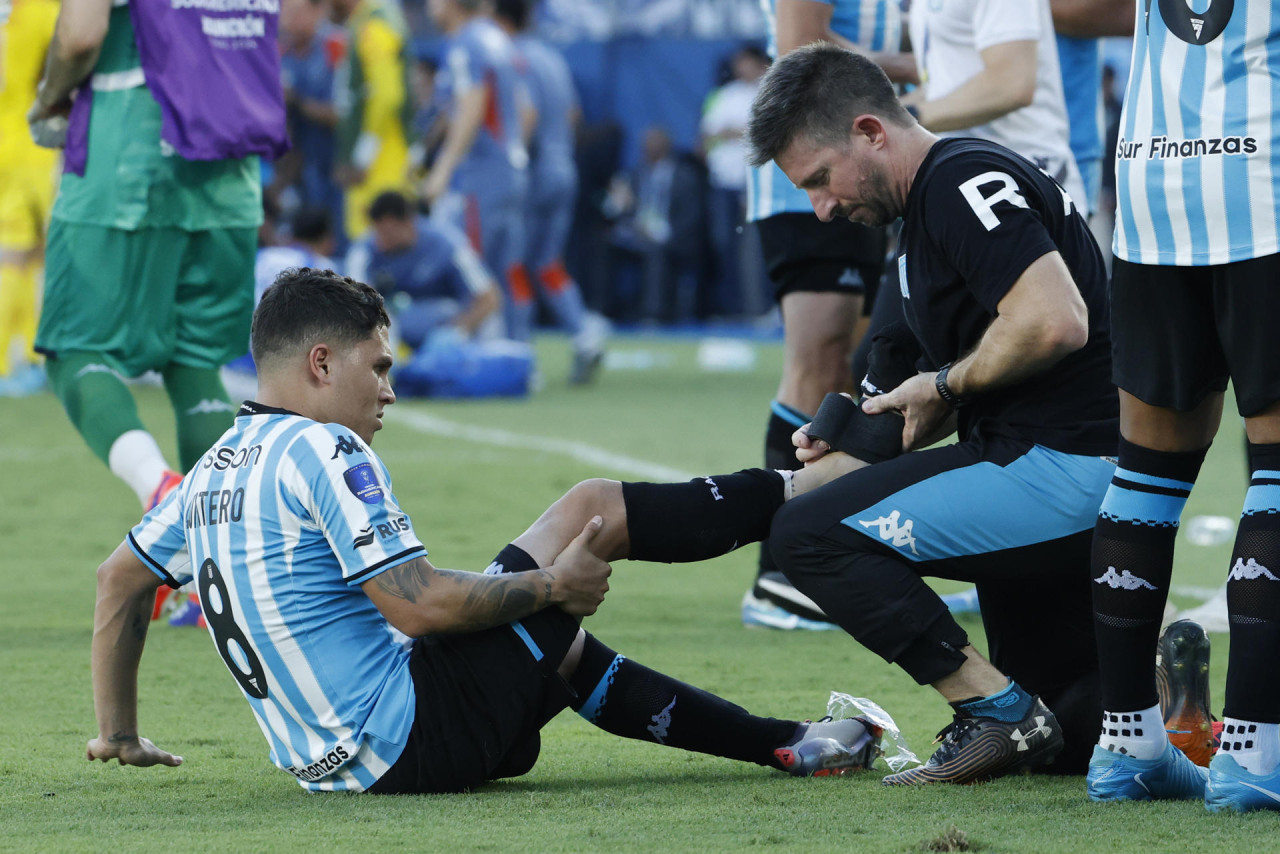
132, 179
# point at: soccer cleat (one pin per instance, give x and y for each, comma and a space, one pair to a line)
974, 749
828, 748
762, 612
1182, 682
168, 482
1171, 776
188, 614
1231, 787
964, 602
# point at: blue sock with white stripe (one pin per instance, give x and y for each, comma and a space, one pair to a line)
1132, 562
628, 699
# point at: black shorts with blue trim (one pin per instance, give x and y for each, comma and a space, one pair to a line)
1179, 333
481, 700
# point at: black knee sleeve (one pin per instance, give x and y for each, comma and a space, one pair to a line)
704, 518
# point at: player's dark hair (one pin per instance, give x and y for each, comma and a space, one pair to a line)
816, 92
304, 306
515, 11
311, 223
389, 204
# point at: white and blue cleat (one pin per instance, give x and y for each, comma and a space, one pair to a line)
1120, 777
1231, 787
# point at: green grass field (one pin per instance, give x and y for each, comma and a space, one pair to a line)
470, 492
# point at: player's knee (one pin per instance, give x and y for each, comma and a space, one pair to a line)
793, 534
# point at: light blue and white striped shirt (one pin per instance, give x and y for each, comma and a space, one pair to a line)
875, 25
1197, 170
279, 524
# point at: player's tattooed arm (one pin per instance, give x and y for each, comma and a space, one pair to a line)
126, 591
419, 599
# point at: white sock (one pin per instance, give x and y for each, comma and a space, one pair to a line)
788, 488
136, 459
1255, 746
1138, 734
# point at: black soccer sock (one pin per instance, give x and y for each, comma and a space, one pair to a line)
512, 558
704, 518
1132, 562
1253, 595
202, 410
779, 453
632, 701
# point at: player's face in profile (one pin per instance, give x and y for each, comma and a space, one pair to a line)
843, 182
362, 384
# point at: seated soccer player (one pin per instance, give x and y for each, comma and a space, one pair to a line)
307, 567
435, 284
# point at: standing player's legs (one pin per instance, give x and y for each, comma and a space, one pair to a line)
108, 314
1172, 372
548, 223
499, 223
1246, 773
820, 272
212, 314
859, 548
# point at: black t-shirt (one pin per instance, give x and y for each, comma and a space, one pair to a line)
976, 218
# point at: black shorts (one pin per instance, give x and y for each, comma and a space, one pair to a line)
481, 700
803, 253
1179, 333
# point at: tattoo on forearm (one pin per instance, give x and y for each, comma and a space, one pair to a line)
487, 600
406, 581
547, 578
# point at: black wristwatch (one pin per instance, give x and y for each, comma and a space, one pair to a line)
952, 399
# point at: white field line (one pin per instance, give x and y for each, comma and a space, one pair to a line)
613, 462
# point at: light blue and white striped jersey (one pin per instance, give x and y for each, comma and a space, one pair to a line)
279, 524
875, 25
554, 96
480, 54
1197, 169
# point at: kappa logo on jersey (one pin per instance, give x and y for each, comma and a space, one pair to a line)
346, 445
1124, 581
363, 483
208, 406
661, 723
983, 205
890, 530
1249, 571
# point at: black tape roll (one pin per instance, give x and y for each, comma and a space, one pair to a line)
843, 425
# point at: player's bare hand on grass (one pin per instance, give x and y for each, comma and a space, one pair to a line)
582, 578
925, 411
129, 751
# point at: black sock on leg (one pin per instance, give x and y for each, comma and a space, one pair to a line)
1253, 597
632, 701
1132, 562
